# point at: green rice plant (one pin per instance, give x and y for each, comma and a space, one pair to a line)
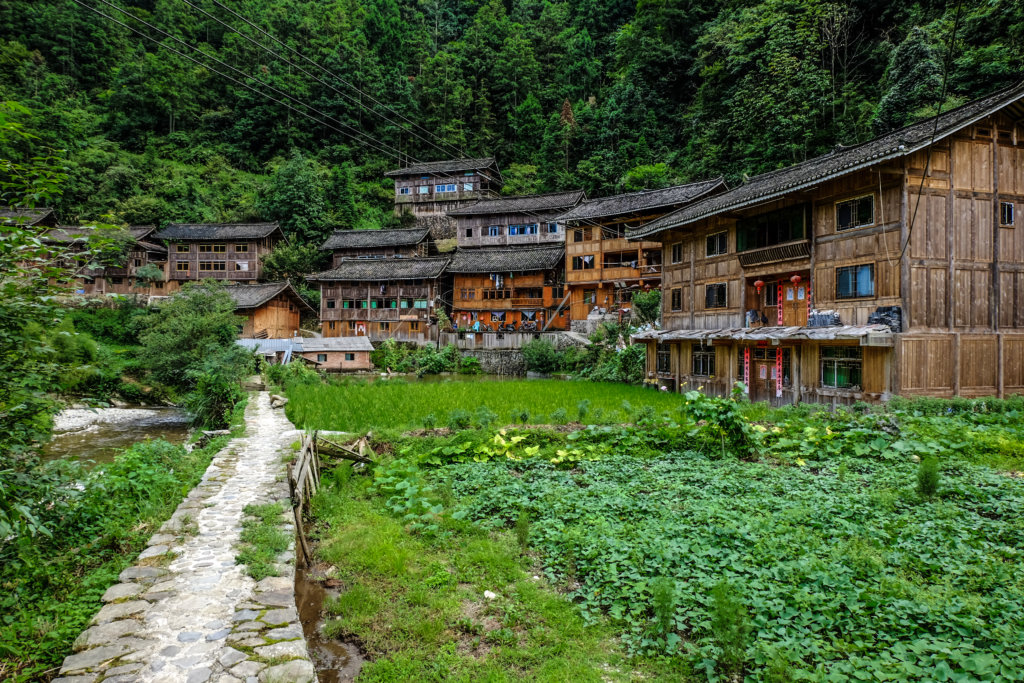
730, 626
928, 477
559, 417
429, 421
582, 408
522, 415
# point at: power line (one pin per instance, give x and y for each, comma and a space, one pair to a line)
451, 148
935, 128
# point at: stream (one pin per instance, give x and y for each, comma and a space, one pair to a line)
98, 434
335, 661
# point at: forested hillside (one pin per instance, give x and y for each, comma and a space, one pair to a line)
608, 95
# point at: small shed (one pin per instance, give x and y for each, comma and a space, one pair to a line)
338, 354
272, 309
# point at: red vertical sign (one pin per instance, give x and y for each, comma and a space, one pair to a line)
746, 368
779, 296
778, 372
808, 299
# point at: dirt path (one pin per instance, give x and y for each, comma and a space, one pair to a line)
187, 612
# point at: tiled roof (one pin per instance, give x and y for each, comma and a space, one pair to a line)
335, 344
67, 234
10, 215
216, 231
506, 259
842, 160
447, 166
141, 232
254, 296
384, 269
645, 200
369, 239
555, 201
842, 332
152, 247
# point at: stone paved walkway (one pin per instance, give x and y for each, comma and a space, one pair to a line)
186, 612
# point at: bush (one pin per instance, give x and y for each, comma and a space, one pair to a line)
541, 356
730, 627
928, 476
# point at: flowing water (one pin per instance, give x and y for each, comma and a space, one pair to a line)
101, 433
335, 661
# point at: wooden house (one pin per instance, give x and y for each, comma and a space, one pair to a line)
337, 354
603, 268
218, 251
121, 279
506, 288
436, 187
272, 310
392, 298
43, 217
891, 267
514, 221
367, 244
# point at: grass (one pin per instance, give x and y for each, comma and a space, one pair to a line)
398, 404
416, 604
262, 540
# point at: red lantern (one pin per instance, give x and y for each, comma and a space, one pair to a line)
795, 279
758, 284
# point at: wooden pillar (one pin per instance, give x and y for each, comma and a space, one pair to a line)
950, 246
994, 300
905, 260
956, 364
795, 366
693, 287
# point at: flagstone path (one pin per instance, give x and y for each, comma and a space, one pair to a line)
186, 612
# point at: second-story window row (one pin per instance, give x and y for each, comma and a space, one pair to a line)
585, 262
777, 227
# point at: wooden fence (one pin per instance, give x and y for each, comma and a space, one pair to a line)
303, 482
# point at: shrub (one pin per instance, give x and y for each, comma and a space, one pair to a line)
730, 627
485, 417
458, 419
429, 421
559, 417
523, 528
663, 602
470, 365
928, 476
582, 408
541, 356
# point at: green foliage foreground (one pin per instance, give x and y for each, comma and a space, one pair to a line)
819, 556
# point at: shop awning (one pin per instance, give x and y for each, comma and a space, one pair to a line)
867, 335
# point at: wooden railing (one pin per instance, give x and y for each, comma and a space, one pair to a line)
303, 482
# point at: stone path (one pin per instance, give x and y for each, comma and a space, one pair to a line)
186, 612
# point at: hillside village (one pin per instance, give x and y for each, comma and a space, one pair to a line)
888, 268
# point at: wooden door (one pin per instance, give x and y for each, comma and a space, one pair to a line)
762, 380
794, 304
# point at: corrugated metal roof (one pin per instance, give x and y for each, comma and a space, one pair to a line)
265, 346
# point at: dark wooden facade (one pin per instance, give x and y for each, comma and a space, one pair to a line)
382, 298
514, 221
603, 268
221, 251
509, 287
435, 187
375, 244
798, 282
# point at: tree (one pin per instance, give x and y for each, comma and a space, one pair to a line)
295, 196
293, 262
344, 198
913, 80
646, 307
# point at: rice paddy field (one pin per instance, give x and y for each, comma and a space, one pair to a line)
358, 406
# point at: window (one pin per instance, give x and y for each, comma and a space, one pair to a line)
771, 294
137, 262
423, 189
677, 252
321, 358
589, 296
158, 285
469, 232
621, 259
183, 248
581, 235
717, 244
330, 303
715, 295
467, 294
414, 327
330, 325
777, 227
467, 187
677, 299
444, 188
703, 361
855, 213
552, 228
351, 325
419, 303
385, 327
1006, 214
181, 266
242, 266
405, 190
212, 265
494, 231
853, 282
241, 248
530, 229
213, 248
116, 280
583, 262
350, 356
841, 366
663, 359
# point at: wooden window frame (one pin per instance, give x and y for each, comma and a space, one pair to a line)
721, 245
241, 248
725, 299
213, 248
703, 361
181, 267
321, 358
663, 359
1006, 211
677, 253
841, 356
856, 225
855, 295
676, 299
582, 262
212, 266
183, 248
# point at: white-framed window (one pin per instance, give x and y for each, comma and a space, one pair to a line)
494, 231
858, 212
467, 187
242, 266
405, 190
1005, 214
423, 189
717, 244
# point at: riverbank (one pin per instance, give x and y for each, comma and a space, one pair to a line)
99, 434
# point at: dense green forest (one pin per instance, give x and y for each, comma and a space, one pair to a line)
608, 95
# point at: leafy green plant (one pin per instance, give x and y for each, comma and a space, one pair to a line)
429, 421
928, 477
582, 408
522, 528
484, 417
663, 603
559, 416
730, 627
459, 419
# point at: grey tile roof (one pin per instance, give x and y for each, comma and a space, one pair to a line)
842, 160
11, 215
446, 166
254, 296
384, 269
152, 247
335, 344
66, 234
842, 332
370, 239
267, 346
645, 200
185, 232
141, 232
555, 201
507, 259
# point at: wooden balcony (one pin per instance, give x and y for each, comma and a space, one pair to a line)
194, 274
789, 251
